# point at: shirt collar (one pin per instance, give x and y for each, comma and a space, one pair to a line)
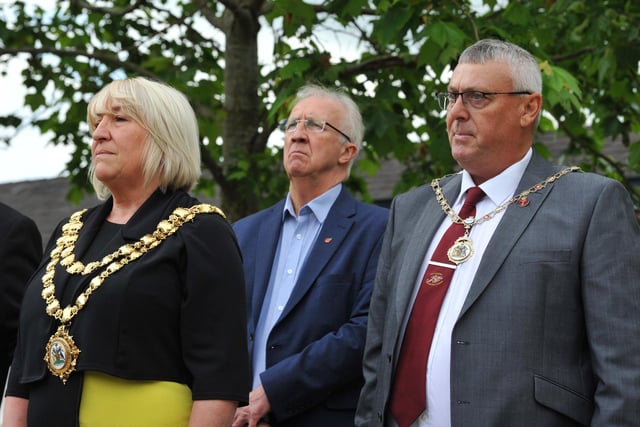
502, 186
320, 206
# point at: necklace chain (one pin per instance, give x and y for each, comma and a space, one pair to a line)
470, 222
65, 245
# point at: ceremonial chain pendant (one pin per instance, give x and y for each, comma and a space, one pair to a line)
462, 248
61, 354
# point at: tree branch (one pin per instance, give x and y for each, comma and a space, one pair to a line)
472, 22
231, 5
572, 55
382, 62
108, 10
363, 11
214, 167
106, 58
607, 159
209, 15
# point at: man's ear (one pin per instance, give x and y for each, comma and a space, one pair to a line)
531, 109
349, 151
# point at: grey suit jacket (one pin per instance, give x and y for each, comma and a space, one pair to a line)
549, 334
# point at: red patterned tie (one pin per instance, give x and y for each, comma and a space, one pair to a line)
408, 397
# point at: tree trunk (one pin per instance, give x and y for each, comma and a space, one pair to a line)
241, 101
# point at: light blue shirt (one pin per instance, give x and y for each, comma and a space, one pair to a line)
297, 237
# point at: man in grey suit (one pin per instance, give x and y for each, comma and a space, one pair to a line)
540, 325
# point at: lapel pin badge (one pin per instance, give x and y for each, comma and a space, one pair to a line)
328, 239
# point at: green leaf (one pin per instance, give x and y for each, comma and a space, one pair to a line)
517, 13
390, 26
560, 87
445, 34
295, 67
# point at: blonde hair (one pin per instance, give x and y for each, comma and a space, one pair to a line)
172, 146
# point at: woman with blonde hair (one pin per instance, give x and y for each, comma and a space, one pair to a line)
136, 314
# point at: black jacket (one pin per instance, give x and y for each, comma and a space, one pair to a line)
175, 314
20, 252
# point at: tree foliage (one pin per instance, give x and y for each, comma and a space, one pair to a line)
588, 51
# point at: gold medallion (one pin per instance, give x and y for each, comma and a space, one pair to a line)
460, 251
61, 354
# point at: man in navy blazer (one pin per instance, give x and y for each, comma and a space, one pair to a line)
309, 264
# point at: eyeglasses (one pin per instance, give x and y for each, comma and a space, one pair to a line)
473, 98
310, 125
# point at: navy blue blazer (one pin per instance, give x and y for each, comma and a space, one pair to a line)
314, 352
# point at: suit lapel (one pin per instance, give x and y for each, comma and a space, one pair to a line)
514, 222
428, 221
335, 229
267, 242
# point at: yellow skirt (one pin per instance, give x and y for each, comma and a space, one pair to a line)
109, 401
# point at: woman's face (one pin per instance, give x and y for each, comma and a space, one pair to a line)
118, 149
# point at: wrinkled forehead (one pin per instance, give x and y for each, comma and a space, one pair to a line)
490, 76
318, 107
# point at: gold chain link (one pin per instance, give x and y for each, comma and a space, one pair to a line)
113, 262
435, 184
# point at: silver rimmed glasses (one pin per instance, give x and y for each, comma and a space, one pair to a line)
473, 98
310, 125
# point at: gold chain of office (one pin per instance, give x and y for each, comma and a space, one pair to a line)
470, 222
61, 352
462, 248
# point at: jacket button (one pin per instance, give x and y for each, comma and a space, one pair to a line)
250, 337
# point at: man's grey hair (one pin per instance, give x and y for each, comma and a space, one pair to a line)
352, 124
525, 71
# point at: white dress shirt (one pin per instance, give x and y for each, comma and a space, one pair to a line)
498, 190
